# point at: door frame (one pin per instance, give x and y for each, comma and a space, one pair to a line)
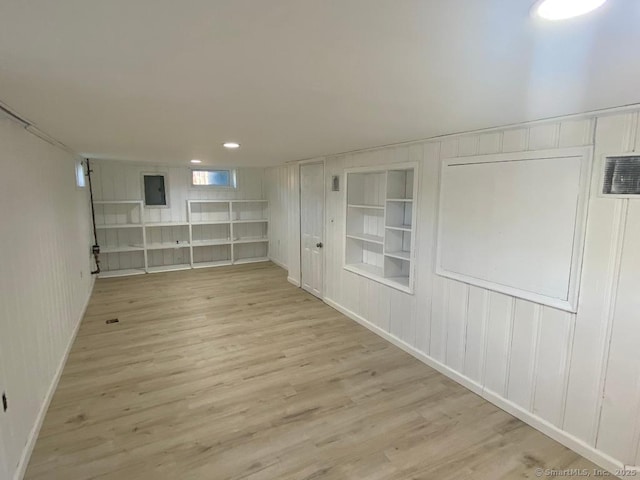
324, 215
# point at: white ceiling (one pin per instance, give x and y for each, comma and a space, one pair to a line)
168, 80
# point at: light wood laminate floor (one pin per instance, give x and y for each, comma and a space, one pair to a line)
233, 373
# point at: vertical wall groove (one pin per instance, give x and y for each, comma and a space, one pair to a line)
610, 295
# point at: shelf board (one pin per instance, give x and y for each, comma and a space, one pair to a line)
249, 201
119, 225
122, 273
209, 201
402, 281
366, 238
365, 268
402, 228
257, 220
167, 224
240, 261
402, 255
121, 249
217, 263
212, 222
169, 268
251, 240
117, 202
376, 274
167, 246
367, 207
399, 199
211, 242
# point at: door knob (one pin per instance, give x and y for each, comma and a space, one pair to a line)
319, 244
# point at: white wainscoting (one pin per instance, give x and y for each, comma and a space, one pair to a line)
45, 282
574, 376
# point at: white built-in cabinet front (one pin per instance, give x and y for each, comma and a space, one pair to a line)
380, 224
217, 232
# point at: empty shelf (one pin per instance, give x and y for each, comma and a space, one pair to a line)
365, 268
121, 273
251, 240
403, 281
213, 241
120, 225
166, 246
368, 207
403, 228
211, 222
402, 255
169, 268
250, 260
217, 263
166, 224
365, 237
256, 220
123, 248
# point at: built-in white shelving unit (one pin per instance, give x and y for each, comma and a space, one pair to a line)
380, 224
216, 233
121, 235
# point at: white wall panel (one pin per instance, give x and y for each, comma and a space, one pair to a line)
544, 137
277, 193
468, 145
614, 134
477, 313
458, 301
536, 359
427, 203
116, 180
498, 342
515, 140
45, 280
490, 143
619, 428
576, 133
551, 363
439, 315
523, 353
123, 181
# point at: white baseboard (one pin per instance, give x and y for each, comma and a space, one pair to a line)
279, 263
579, 446
293, 281
35, 431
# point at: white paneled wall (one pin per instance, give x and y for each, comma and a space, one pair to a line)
45, 281
277, 193
123, 181
574, 376
115, 180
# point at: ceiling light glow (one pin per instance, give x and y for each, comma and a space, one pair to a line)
196, 161
231, 145
563, 9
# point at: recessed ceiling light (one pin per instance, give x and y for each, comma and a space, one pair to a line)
196, 161
231, 145
563, 9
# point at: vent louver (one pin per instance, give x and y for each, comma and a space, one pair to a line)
622, 175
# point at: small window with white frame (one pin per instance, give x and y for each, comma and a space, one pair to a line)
80, 176
225, 178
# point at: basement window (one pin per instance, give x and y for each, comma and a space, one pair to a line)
80, 178
213, 178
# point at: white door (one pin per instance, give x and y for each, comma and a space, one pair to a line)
311, 226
